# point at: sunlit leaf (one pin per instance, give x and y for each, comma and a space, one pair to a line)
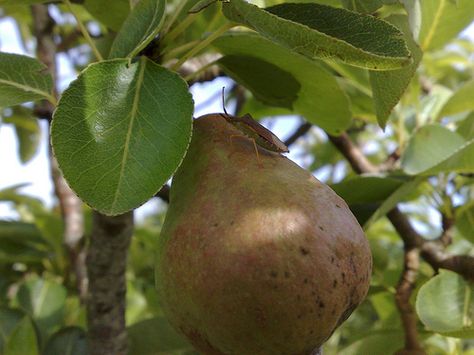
461, 100
442, 20
429, 146
140, 27
319, 31
445, 304
120, 131
389, 86
23, 79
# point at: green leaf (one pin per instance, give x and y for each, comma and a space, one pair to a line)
445, 304
67, 341
110, 13
375, 343
429, 146
319, 31
23, 79
389, 86
320, 99
27, 130
363, 6
21, 2
155, 336
461, 161
465, 221
268, 83
9, 319
460, 101
391, 201
140, 27
44, 301
466, 127
120, 131
21, 242
366, 188
442, 20
22, 340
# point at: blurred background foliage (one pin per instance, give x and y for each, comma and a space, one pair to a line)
40, 310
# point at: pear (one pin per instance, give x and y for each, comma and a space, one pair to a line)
256, 256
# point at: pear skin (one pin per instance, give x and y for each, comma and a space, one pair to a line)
256, 256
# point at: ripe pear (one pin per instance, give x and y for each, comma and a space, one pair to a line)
256, 256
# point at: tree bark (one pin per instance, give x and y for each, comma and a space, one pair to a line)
106, 265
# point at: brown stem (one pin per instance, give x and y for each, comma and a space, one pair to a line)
359, 163
299, 132
106, 265
405, 287
70, 204
164, 193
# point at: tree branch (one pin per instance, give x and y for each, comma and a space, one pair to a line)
298, 133
405, 287
431, 251
70, 204
106, 265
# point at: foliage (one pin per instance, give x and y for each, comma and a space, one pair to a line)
122, 127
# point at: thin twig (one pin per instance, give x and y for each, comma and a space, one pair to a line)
298, 133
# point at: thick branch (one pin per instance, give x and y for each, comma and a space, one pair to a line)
70, 204
106, 265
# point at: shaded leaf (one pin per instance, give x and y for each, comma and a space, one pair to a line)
445, 304
155, 336
28, 132
22, 2
465, 221
363, 6
23, 79
140, 27
44, 301
429, 146
21, 242
366, 188
67, 341
9, 319
320, 98
320, 31
120, 131
22, 340
460, 101
375, 343
466, 127
442, 20
389, 86
391, 201
110, 13
268, 83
